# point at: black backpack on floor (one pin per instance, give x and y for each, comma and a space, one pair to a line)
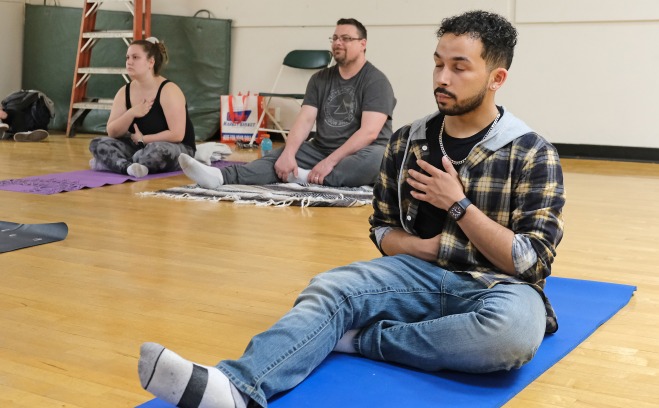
28, 110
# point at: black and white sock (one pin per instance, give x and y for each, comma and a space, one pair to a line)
178, 381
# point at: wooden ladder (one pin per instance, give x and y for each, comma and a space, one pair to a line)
80, 102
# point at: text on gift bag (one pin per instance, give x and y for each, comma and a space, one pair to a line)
240, 115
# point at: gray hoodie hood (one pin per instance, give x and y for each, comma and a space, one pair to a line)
507, 129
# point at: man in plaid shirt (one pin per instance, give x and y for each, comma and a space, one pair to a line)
468, 211
471, 199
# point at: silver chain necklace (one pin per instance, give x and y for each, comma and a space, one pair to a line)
441, 137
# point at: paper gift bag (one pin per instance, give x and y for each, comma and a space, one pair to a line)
240, 115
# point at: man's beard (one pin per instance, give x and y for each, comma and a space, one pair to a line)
341, 59
461, 108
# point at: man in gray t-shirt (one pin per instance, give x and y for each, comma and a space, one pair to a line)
351, 104
340, 103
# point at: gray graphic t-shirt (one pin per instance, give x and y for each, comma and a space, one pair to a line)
341, 102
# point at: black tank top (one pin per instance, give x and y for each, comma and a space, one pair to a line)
155, 122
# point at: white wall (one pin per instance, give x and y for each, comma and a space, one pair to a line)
583, 71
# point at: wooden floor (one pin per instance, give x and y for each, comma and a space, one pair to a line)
202, 278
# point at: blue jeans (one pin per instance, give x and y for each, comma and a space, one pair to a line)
408, 311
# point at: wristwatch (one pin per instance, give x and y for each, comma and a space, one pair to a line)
458, 209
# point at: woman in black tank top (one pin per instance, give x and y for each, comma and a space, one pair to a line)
149, 124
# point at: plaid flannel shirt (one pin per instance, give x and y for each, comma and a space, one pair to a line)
514, 177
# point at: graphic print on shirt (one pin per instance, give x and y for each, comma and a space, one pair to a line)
340, 107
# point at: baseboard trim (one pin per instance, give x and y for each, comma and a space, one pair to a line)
617, 153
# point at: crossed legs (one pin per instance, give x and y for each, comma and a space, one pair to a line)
121, 155
398, 309
358, 169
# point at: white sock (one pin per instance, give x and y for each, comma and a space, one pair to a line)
302, 176
97, 165
178, 381
137, 170
205, 176
346, 343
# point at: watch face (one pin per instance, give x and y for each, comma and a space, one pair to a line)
455, 211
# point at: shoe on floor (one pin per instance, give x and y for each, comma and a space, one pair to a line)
33, 136
3, 128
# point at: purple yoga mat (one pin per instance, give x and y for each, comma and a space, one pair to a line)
77, 180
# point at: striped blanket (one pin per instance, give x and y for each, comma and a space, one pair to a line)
279, 194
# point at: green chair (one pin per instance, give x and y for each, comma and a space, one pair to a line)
294, 60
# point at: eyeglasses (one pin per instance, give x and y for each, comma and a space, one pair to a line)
343, 38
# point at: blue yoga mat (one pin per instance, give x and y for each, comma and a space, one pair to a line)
348, 381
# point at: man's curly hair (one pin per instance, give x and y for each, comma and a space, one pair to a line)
498, 36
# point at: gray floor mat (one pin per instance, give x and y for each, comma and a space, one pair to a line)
17, 236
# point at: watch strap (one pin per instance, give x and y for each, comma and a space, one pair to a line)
464, 203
